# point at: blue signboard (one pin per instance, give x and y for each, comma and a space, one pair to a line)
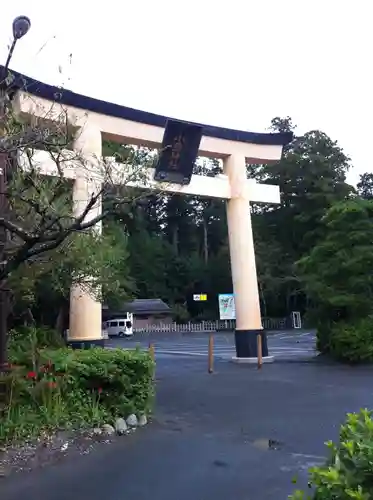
227, 309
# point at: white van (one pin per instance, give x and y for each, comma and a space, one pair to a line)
120, 327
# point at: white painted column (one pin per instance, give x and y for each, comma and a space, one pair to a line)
242, 255
85, 311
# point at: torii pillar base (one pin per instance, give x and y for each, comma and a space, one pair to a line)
86, 344
252, 361
247, 347
247, 343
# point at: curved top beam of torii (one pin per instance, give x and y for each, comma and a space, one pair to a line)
69, 98
128, 125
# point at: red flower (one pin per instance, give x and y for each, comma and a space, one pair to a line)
31, 375
99, 390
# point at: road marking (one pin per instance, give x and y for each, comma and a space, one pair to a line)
312, 457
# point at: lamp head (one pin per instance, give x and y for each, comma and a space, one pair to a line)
21, 26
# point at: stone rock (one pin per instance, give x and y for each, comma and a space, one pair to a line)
97, 431
132, 420
120, 426
142, 420
64, 446
108, 429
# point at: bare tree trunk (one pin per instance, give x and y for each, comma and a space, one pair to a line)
60, 321
288, 301
205, 242
29, 317
175, 239
264, 303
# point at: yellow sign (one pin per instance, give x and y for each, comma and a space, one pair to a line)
200, 297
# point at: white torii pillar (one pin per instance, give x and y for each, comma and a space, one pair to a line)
85, 325
243, 265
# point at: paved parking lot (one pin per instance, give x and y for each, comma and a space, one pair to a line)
283, 345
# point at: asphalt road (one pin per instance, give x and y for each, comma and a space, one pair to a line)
209, 438
284, 345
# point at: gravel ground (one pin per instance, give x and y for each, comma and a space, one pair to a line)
49, 449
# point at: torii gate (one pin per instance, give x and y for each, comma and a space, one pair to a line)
97, 120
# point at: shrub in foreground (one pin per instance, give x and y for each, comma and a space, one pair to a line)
348, 473
75, 388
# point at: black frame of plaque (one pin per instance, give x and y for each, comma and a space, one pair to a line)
181, 141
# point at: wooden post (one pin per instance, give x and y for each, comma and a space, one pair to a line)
211, 354
152, 355
151, 350
260, 351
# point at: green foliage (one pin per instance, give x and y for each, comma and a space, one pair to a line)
312, 178
348, 472
336, 272
99, 264
54, 388
365, 186
25, 343
160, 272
352, 342
123, 377
180, 313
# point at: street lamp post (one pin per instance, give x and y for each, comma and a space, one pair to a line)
21, 26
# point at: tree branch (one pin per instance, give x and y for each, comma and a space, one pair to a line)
23, 139
13, 228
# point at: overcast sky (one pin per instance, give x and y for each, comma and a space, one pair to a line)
235, 63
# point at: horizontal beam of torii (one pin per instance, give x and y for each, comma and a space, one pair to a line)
200, 185
93, 121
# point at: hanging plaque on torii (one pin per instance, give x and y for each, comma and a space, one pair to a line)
179, 152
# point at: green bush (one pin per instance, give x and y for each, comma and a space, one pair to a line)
323, 333
25, 342
348, 473
124, 378
64, 388
352, 342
